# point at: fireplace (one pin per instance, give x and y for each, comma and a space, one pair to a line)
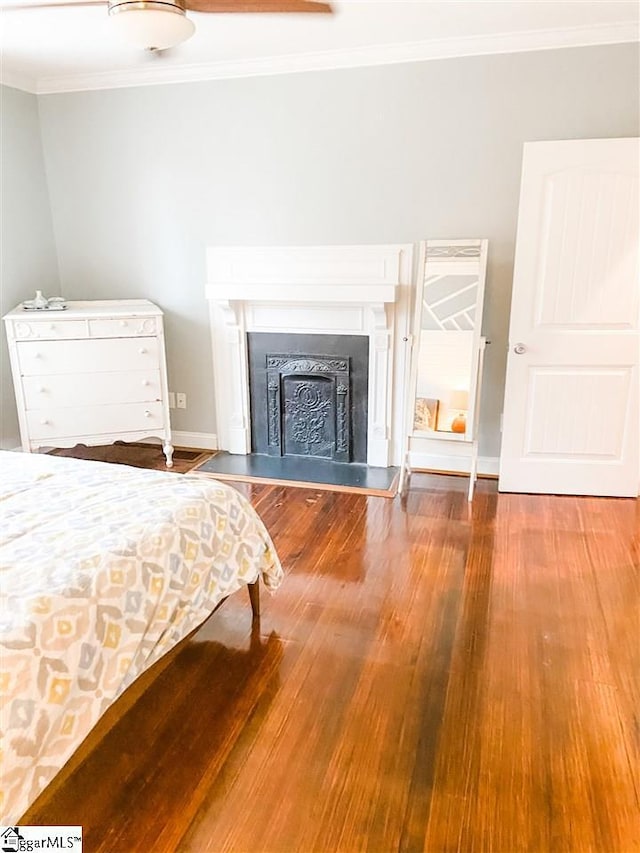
305, 293
308, 395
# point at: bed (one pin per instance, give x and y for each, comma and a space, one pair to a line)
103, 570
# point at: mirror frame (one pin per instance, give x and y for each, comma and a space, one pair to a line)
480, 266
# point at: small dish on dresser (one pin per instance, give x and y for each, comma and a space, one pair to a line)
54, 305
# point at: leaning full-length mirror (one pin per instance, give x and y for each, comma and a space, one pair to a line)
448, 317
447, 354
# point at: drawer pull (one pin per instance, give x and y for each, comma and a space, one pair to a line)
41, 389
146, 382
142, 350
45, 422
123, 323
147, 413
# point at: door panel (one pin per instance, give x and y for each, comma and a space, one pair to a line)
582, 398
589, 225
571, 420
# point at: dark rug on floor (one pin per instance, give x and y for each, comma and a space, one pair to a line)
137, 454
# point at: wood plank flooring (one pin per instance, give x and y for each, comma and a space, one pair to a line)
430, 677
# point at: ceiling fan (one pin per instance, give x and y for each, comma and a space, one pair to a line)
157, 25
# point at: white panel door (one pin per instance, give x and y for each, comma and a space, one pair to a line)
571, 413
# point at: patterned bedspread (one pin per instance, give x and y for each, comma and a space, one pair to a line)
103, 569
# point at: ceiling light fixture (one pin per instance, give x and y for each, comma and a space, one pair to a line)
150, 24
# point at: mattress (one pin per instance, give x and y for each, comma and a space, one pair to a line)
103, 569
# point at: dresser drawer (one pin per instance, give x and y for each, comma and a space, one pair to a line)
84, 389
127, 327
94, 420
43, 358
50, 329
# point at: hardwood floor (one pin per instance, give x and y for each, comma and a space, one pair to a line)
428, 678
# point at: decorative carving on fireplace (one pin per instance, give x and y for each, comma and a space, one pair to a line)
308, 364
308, 406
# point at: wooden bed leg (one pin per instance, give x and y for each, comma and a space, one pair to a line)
254, 595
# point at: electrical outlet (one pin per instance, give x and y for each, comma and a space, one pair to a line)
181, 401
172, 399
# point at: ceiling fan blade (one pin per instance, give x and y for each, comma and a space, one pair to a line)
16, 7
229, 6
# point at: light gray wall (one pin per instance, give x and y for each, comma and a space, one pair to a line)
28, 258
143, 180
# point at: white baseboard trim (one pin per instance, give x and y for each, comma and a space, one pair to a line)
487, 465
197, 440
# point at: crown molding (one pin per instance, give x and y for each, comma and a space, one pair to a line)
16, 80
389, 54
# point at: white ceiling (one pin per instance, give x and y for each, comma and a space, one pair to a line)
68, 49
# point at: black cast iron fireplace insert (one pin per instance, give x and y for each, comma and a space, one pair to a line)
309, 395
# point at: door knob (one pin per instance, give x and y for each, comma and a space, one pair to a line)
519, 349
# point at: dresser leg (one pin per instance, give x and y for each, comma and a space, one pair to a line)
168, 452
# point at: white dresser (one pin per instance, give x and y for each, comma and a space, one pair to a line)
92, 374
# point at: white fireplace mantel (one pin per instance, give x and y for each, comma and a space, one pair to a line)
314, 290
